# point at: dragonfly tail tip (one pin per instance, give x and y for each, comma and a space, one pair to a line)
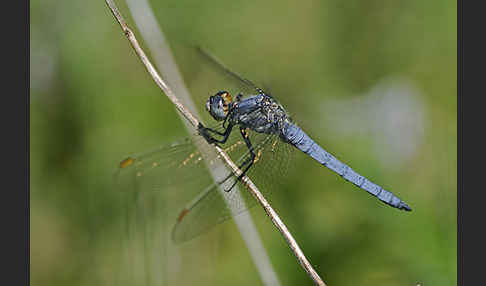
404, 206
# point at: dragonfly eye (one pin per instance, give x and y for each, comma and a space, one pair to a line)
216, 107
226, 97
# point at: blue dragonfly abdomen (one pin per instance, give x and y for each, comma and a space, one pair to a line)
295, 136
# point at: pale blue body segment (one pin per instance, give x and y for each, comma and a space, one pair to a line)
297, 137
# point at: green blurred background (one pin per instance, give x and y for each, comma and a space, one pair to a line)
374, 82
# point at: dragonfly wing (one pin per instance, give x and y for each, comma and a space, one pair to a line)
214, 205
170, 173
211, 207
177, 170
222, 77
222, 68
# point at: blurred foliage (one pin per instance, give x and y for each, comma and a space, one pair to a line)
93, 103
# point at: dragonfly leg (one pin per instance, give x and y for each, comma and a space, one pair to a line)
239, 96
210, 139
227, 116
248, 161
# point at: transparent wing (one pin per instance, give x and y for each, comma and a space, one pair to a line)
214, 205
209, 75
170, 170
237, 79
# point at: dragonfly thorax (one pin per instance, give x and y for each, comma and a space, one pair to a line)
260, 113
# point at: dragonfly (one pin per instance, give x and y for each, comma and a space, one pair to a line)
262, 148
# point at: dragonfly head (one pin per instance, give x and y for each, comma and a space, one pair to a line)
218, 105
